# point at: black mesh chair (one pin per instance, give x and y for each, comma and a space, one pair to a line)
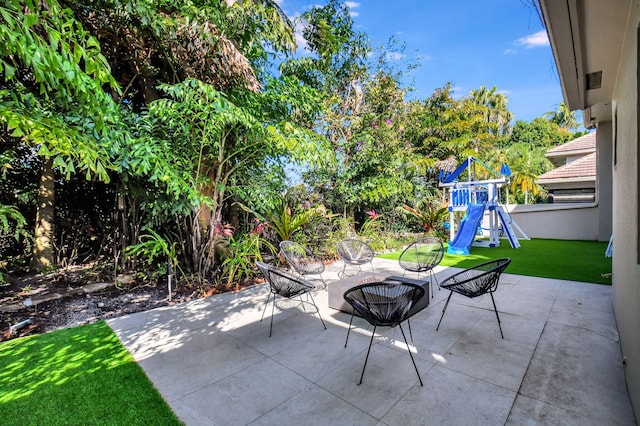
286, 285
422, 256
354, 253
302, 261
476, 281
386, 305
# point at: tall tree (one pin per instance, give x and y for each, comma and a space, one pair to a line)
53, 98
457, 127
563, 117
527, 163
337, 65
225, 44
59, 91
496, 108
539, 133
223, 140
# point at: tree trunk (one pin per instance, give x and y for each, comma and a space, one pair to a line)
234, 215
42, 258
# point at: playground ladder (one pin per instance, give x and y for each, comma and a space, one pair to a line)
507, 223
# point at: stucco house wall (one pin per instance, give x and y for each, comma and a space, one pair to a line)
596, 50
558, 222
604, 182
626, 268
592, 221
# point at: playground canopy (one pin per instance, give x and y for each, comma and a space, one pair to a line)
478, 198
470, 163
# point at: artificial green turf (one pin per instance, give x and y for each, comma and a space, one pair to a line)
560, 259
77, 376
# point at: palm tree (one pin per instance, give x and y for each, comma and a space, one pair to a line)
496, 105
495, 158
527, 164
563, 117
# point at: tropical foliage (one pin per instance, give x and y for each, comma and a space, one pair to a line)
142, 132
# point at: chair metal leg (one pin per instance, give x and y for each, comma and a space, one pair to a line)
431, 284
324, 283
302, 301
265, 306
349, 330
317, 310
409, 349
433, 277
341, 274
443, 311
273, 308
497, 316
410, 332
368, 350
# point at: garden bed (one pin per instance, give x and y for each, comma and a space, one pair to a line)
34, 304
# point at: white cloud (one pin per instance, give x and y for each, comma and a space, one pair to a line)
510, 51
353, 5
457, 91
395, 56
301, 43
538, 39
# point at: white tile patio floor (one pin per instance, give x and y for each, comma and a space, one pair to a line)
559, 364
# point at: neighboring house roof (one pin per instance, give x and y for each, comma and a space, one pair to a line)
585, 144
583, 169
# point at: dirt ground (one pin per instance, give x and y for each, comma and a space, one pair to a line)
75, 306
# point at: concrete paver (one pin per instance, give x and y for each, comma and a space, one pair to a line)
559, 363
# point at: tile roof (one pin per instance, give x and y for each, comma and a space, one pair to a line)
583, 144
583, 169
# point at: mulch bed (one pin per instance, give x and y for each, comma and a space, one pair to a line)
33, 304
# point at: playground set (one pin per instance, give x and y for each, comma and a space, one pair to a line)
479, 199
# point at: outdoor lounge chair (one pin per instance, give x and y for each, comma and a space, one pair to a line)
383, 304
422, 256
286, 285
476, 281
354, 253
301, 261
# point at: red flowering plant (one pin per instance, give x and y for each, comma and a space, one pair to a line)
222, 230
431, 215
372, 215
373, 228
243, 251
260, 228
285, 220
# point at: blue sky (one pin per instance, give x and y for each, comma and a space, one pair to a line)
470, 43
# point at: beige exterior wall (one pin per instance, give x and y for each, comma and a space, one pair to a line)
571, 185
573, 158
592, 222
626, 271
558, 221
604, 146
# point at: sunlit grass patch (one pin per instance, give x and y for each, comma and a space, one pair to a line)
81, 375
560, 259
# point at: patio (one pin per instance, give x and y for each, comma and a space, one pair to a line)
559, 363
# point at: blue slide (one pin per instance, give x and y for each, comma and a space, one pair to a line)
467, 230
